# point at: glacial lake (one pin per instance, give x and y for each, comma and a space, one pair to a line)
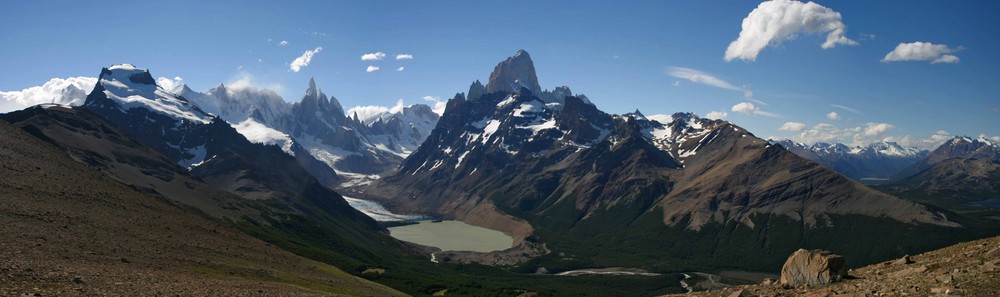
453, 236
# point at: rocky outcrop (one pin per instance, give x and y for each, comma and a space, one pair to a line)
965, 269
812, 267
513, 73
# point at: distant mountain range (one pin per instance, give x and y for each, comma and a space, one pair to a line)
875, 163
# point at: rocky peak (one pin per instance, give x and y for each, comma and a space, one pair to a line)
476, 90
514, 73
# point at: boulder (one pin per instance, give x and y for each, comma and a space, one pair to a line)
812, 267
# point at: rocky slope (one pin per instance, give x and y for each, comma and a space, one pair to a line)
873, 163
574, 176
965, 269
70, 231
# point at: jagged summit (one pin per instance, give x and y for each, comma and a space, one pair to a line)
312, 83
513, 73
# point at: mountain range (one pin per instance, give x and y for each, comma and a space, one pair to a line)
874, 163
577, 186
618, 190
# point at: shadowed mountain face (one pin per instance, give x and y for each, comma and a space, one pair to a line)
571, 174
961, 174
69, 230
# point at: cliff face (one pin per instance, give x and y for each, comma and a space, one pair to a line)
514, 73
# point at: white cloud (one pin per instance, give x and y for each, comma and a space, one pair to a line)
304, 59
700, 77
939, 137
749, 108
922, 51
372, 68
173, 85
846, 108
283, 43
773, 22
833, 116
244, 80
72, 91
373, 56
401, 68
868, 133
439, 105
744, 107
716, 115
792, 126
877, 129
367, 113
404, 57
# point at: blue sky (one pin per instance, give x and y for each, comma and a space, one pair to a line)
620, 54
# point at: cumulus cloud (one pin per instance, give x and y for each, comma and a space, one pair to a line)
372, 68
401, 68
773, 22
370, 113
373, 56
922, 51
439, 105
700, 77
404, 57
877, 129
749, 108
833, 116
71, 91
244, 80
846, 108
283, 43
304, 59
716, 115
792, 126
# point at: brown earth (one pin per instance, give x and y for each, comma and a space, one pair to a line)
965, 269
68, 230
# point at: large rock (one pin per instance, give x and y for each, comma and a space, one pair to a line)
812, 267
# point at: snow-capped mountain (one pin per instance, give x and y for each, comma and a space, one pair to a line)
962, 171
960, 147
168, 123
875, 162
401, 131
320, 125
577, 176
530, 157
